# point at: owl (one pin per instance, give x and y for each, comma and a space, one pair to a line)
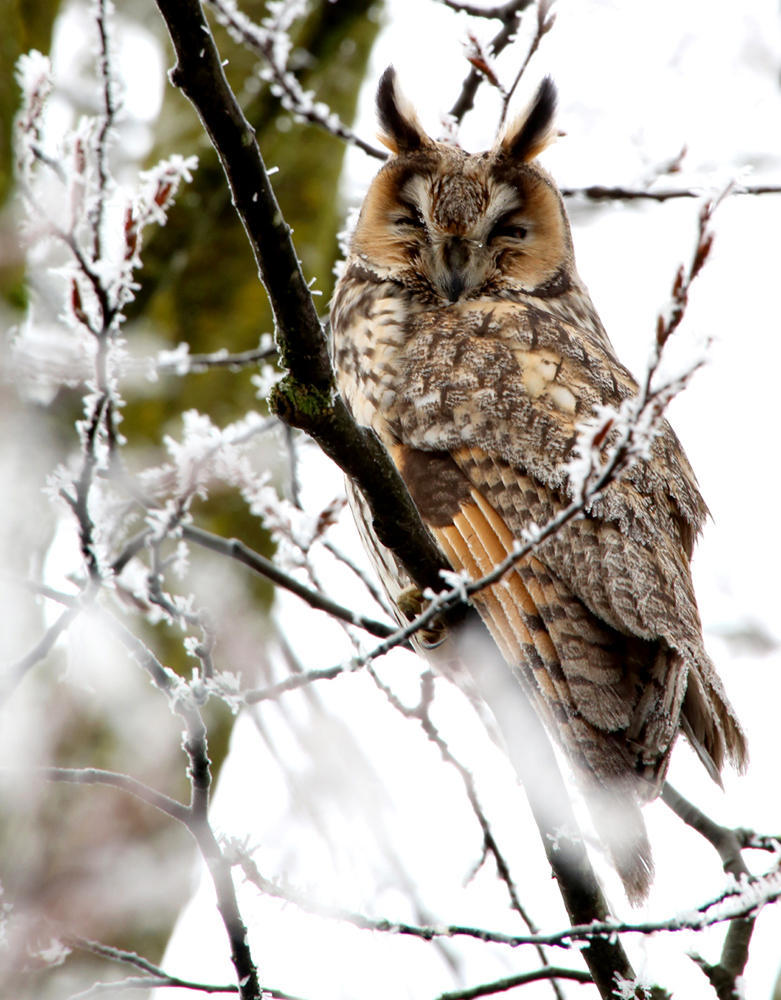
464, 338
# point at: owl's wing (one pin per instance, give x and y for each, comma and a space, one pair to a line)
499, 390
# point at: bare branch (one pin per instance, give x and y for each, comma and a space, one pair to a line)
736, 903
237, 550
157, 976
728, 843
16, 671
597, 192
502, 12
306, 397
293, 682
545, 22
197, 363
521, 979
94, 776
510, 14
365, 579
40, 589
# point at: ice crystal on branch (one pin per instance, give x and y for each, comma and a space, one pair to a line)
34, 76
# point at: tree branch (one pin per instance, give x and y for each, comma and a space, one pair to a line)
728, 843
307, 396
510, 14
598, 192
237, 550
521, 979
94, 776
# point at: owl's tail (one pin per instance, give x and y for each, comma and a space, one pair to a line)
709, 722
620, 826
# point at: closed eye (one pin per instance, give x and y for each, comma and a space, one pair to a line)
513, 231
412, 217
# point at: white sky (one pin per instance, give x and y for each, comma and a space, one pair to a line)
636, 83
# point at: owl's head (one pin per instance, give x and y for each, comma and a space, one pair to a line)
458, 225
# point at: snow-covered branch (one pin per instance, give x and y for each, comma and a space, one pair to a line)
271, 41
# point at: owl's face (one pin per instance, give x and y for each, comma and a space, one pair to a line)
457, 226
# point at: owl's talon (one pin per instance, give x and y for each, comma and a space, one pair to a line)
411, 603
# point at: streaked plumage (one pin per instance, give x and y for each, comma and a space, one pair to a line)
463, 335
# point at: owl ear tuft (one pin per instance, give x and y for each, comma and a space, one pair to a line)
533, 129
400, 129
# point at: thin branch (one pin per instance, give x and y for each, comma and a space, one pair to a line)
544, 25
293, 682
40, 589
295, 483
597, 192
162, 978
110, 108
766, 889
510, 15
521, 979
237, 550
365, 579
94, 776
499, 13
734, 953
199, 363
14, 674
728, 843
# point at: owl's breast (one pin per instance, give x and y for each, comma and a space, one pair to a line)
370, 327
509, 378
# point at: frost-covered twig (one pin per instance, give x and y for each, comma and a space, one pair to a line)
294, 682
156, 976
728, 843
140, 983
271, 42
502, 12
181, 362
95, 776
357, 571
103, 136
100, 273
738, 902
184, 700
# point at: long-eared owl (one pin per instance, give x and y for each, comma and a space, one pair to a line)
464, 337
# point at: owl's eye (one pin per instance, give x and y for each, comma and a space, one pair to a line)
411, 217
410, 220
513, 232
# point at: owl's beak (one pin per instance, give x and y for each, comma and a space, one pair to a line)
456, 256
